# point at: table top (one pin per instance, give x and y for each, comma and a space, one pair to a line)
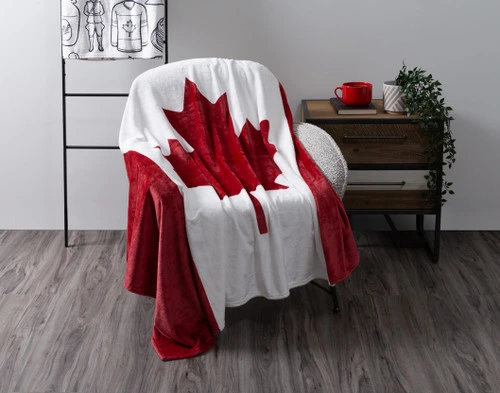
323, 111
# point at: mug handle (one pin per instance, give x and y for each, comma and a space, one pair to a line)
335, 92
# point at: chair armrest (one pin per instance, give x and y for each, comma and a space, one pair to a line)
325, 153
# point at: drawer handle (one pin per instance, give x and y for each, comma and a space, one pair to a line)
375, 137
376, 183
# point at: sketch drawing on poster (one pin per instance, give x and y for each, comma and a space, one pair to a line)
95, 26
70, 23
113, 29
158, 35
129, 26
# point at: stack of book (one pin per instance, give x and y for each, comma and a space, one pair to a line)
343, 109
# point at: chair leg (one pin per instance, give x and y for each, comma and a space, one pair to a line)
335, 298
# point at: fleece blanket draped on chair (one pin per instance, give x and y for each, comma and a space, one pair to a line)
224, 202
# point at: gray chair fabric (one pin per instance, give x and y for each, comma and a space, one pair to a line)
325, 152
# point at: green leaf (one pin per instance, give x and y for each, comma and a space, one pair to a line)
424, 98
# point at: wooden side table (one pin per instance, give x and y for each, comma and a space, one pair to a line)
387, 163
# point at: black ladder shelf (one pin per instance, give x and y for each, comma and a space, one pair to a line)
67, 147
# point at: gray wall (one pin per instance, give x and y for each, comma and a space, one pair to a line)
311, 46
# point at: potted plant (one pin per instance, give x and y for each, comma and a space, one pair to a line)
423, 95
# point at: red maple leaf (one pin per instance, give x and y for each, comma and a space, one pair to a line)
220, 158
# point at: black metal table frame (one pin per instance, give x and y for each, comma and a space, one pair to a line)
432, 248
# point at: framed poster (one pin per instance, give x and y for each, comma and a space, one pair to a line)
113, 29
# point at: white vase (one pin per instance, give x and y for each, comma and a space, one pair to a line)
394, 98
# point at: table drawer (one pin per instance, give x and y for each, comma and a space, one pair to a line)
387, 180
380, 143
387, 200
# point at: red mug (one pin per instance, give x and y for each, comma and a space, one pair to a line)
355, 93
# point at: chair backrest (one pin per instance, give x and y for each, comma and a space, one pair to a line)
245, 92
179, 102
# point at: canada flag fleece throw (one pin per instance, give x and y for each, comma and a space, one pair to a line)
224, 203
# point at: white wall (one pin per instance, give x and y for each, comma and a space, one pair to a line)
311, 46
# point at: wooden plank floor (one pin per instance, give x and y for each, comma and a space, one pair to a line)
68, 325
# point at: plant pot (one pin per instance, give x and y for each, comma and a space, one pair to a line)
394, 98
